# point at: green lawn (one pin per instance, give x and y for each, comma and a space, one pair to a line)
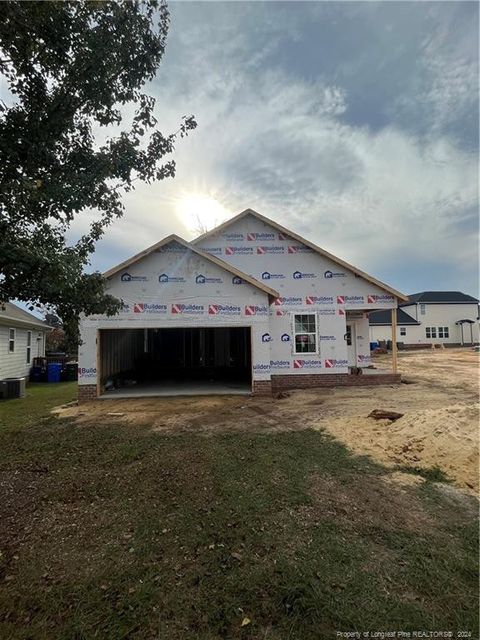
40, 398
118, 532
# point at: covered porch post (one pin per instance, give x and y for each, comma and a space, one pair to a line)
394, 340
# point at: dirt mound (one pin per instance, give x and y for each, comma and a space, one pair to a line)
446, 438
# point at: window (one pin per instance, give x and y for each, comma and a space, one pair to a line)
443, 332
403, 331
431, 332
305, 332
11, 340
422, 309
29, 347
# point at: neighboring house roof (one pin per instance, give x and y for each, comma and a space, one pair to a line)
12, 314
439, 297
384, 318
213, 259
306, 242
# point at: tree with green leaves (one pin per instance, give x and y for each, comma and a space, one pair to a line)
72, 68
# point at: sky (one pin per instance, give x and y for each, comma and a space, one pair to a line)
353, 124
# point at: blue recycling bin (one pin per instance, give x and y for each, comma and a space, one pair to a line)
54, 370
373, 346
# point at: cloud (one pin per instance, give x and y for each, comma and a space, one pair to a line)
350, 125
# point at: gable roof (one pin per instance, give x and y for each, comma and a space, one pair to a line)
441, 296
306, 242
213, 259
384, 318
15, 314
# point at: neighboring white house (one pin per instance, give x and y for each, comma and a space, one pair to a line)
250, 305
22, 338
431, 317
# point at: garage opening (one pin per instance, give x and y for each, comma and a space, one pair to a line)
165, 362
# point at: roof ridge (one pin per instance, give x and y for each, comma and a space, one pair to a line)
173, 237
308, 243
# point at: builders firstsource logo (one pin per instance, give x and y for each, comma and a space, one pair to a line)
327, 338
84, 372
279, 364
172, 248
266, 337
147, 307
336, 364
252, 237
223, 310
214, 251
256, 310
269, 250
238, 251
334, 274
287, 301
329, 311
189, 309
353, 299
372, 299
299, 249
233, 237
307, 364
319, 300
237, 280
261, 367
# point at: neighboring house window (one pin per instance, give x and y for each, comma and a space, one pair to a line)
29, 347
403, 331
422, 310
11, 340
305, 332
443, 332
431, 332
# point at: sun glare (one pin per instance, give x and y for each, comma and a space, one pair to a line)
200, 213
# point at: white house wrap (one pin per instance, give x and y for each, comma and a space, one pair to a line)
306, 311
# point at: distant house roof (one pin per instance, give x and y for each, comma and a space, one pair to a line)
384, 318
11, 313
445, 297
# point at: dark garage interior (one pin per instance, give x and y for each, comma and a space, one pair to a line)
175, 361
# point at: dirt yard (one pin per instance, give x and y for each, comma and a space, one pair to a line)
439, 429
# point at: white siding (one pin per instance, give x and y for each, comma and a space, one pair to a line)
14, 365
436, 315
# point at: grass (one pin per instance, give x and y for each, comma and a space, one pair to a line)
118, 532
433, 474
40, 398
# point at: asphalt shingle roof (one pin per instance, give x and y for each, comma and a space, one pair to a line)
439, 296
384, 318
10, 311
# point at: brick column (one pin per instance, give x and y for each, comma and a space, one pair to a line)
87, 393
262, 387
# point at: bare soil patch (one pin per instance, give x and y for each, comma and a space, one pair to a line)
439, 427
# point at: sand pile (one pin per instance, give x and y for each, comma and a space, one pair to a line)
446, 437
